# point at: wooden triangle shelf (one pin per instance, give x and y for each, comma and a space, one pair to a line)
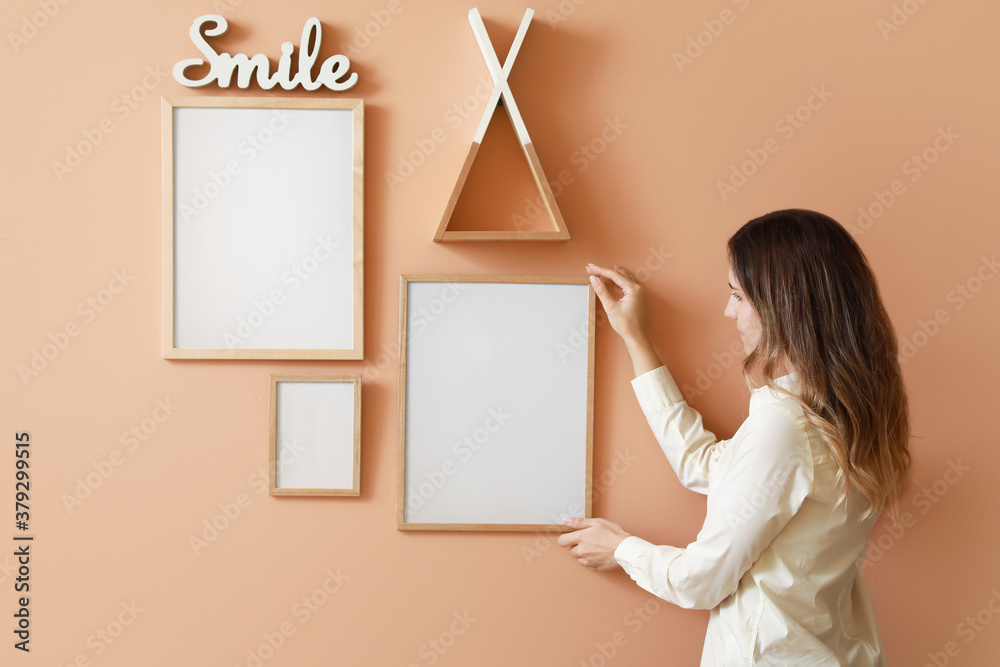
501, 91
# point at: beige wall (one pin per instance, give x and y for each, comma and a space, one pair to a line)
663, 134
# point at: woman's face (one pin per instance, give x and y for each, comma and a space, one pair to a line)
747, 321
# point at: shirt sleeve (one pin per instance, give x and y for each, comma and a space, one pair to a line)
688, 445
758, 493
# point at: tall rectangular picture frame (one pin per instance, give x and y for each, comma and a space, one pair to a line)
314, 443
263, 228
496, 387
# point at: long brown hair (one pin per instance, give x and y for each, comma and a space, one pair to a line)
820, 310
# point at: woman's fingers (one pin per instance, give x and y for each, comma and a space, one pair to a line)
593, 542
626, 313
577, 522
618, 276
626, 273
602, 292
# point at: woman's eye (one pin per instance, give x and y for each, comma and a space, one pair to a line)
737, 296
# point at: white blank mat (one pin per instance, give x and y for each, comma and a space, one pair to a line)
497, 410
315, 435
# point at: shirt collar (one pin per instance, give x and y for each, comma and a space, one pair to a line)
762, 396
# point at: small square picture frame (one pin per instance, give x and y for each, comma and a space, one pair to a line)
314, 444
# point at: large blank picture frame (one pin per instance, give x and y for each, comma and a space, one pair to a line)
314, 447
496, 388
263, 228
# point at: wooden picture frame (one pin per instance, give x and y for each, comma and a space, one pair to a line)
314, 443
263, 228
496, 386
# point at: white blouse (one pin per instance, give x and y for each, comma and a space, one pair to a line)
777, 558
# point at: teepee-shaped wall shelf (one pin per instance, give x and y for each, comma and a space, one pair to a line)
502, 91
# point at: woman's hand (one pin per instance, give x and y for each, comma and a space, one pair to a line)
626, 314
593, 542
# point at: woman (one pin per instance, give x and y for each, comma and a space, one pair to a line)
794, 494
